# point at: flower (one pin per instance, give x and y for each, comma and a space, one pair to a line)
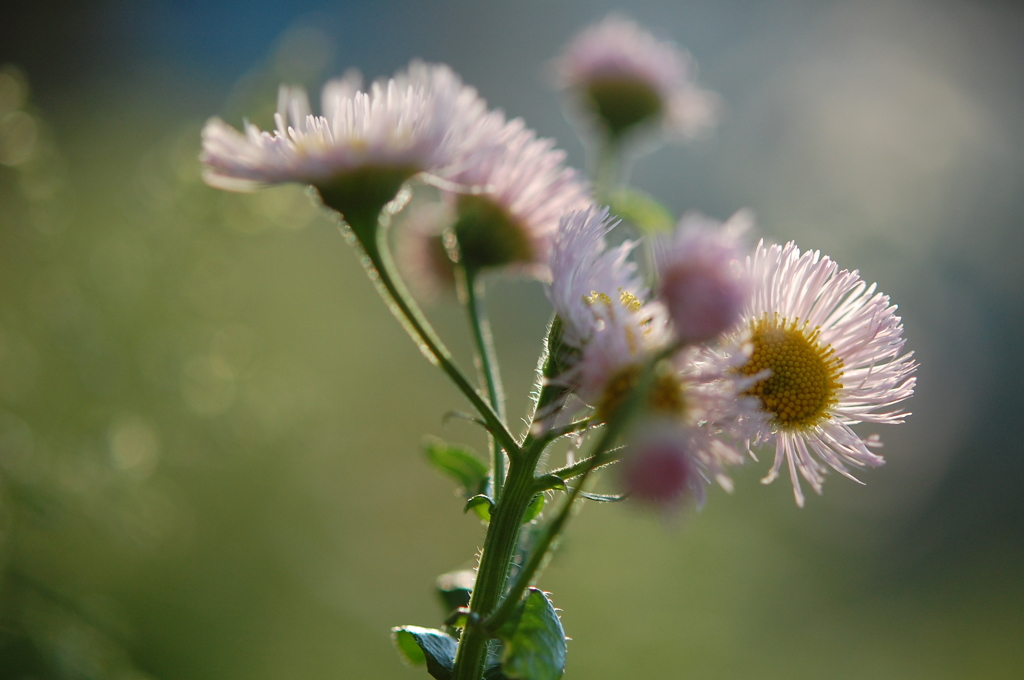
523, 190
712, 418
702, 283
659, 467
581, 265
598, 296
363, 147
830, 345
626, 78
674, 457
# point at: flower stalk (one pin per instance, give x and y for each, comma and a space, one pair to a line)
380, 267
487, 357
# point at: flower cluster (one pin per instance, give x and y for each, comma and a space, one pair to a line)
777, 347
684, 359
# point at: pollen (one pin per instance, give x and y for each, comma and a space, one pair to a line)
629, 301
805, 376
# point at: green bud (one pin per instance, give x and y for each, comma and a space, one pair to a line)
622, 103
488, 236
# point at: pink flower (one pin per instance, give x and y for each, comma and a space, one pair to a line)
702, 283
659, 470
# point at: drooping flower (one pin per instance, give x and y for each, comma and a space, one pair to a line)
701, 280
830, 346
363, 147
522, 190
623, 78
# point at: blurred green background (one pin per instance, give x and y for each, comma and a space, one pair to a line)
209, 425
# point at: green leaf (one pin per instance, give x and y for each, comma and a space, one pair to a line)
455, 588
553, 482
420, 646
603, 497
481, 505
534, 508
459, 463
534, 640
641, 209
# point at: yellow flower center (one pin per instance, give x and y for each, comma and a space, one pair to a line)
805, 374
666, 396
626, 299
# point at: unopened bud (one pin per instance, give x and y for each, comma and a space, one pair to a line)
703, 299
658, 470
488, 235
702, 286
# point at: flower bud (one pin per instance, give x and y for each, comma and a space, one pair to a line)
660, 471
701, 283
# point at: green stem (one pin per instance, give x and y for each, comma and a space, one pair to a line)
540, 550
495, 561
606, 169
579, 467
616, 425
381, 270
507, 517
488, 365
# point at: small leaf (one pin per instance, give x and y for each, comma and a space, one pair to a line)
553, 482
534, 508
603, 497
455, 588
534, 640
426, 645
481, 505
459, 463
459, 618
641, 209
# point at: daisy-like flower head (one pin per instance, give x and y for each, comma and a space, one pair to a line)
582, 264
598, 296
830, 346
626, 79
702, 283
363, 147
524, 189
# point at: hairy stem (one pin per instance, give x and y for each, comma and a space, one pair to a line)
495, 561
381, 270
616, 425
